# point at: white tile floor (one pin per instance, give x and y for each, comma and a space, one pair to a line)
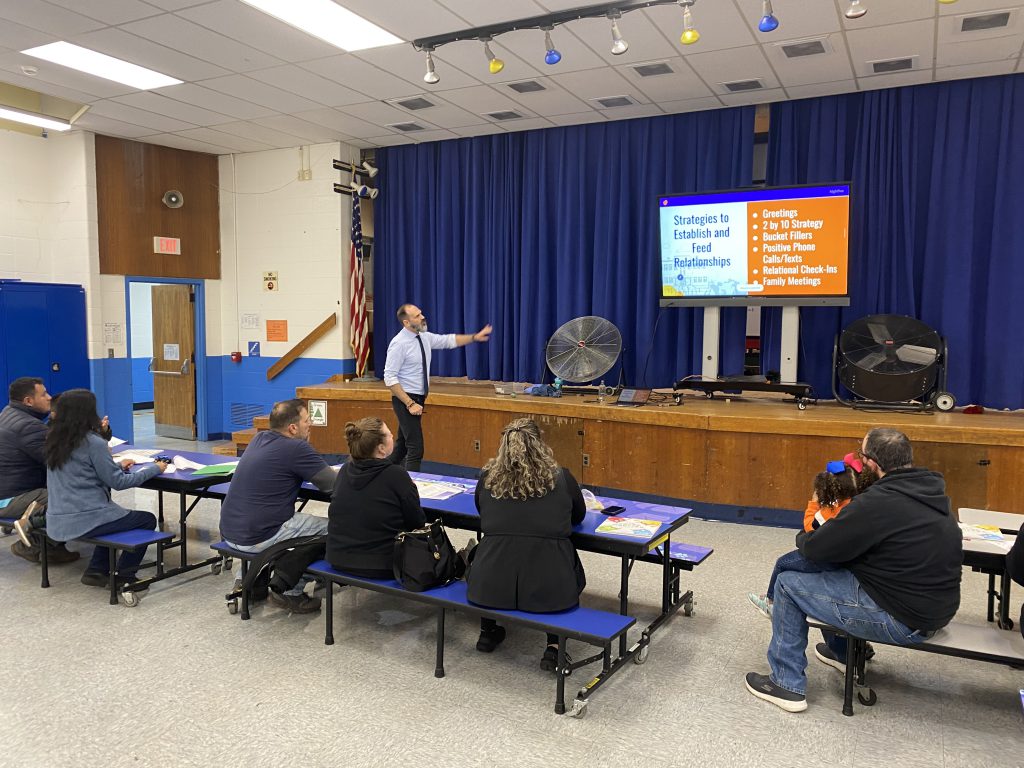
179, 682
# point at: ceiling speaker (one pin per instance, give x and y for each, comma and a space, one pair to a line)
173, 198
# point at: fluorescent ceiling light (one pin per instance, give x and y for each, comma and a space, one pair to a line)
33, 119
328, 21
101, 65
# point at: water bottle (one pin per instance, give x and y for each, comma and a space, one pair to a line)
600, 392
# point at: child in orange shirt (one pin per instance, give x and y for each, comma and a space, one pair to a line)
833, 490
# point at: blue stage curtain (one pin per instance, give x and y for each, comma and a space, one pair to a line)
935, 232
529, 230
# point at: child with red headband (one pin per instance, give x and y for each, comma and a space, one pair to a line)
833, 490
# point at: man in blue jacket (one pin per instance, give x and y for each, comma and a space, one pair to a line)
22, 467
898, 553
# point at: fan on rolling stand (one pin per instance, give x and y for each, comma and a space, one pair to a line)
893, 362
583, 350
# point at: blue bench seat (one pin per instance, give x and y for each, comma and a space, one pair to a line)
596, 627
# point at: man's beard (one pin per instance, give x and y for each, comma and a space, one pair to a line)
419, 327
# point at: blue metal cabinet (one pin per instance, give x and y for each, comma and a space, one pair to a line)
43, 333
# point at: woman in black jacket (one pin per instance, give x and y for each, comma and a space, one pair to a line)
528, 506
373, 501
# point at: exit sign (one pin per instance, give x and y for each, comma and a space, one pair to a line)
168, 245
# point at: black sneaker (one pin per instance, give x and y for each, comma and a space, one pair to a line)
95, 579
827, 656
25, 553
549, 661
490, 639
763, 687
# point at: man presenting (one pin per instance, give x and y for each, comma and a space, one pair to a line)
899, 555
407, 375
22, 466
259, 510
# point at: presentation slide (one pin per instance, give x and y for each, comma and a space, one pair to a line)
764, 243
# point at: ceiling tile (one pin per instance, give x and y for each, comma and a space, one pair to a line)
390, 140
528, 46
988, 69
527, 124
483, 98
219, 138
172, 5
553, 100
681, 83
881, 13
950, 29
64, 77
160, 104
478, 14
753, 97
691, 105
821, 89
720, 25
645, 39
201, 43
127, 114
364, 77
110, 11
382, 114
408, 20
579, 118
444, 114
255, 28
57, 21
260, 93
469, 56
304, 83
719, 67
309, 132
635, 110
52, 89
478, 130
262, 134
967, 7
421, 137
19, 38
830, 66
184, 142
797, 18
894, 80
110, 127
348, 125
896, 41
597, 83
409, 64
146, 53
216, 101
978, 51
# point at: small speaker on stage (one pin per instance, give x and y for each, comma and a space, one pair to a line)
173, 198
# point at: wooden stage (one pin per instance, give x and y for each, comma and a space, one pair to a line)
753, 451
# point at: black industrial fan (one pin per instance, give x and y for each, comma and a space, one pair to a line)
891, 361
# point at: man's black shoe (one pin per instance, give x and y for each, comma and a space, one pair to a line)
763, 687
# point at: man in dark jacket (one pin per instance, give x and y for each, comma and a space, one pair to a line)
22, 466
899, 555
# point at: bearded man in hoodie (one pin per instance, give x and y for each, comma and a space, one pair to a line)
899, 555
259, 510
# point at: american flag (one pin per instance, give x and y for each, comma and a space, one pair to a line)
360, 334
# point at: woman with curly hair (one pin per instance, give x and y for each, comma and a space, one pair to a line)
528, 506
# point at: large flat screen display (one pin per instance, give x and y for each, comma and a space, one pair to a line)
776, 245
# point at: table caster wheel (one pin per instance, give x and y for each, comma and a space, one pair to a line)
232, 607
1007, 624
215, 568
801, 405
642, 654
578, 709
710, 395
868, 701
130, 599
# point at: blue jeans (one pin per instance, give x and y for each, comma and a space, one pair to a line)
794, 561
835, 597
128, 562
300, 524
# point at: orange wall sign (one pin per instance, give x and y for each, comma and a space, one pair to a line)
277, 330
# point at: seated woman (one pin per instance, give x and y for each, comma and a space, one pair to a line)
80, 474
528, 506
373, 501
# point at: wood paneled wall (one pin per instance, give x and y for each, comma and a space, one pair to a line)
131, 179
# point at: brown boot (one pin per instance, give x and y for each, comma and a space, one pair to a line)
57, 553
26, 553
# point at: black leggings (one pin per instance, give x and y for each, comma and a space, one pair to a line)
489, 625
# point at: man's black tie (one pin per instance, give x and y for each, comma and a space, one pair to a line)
423, 357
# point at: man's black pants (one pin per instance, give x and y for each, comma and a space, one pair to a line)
409, 440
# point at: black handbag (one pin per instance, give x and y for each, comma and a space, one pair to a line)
425, 558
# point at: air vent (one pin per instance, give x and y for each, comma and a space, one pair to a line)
527, 86
415, 103
739, 86
892, 65
503, 115
242, 414
407, 127
985, 21
653, 70
806, 48
610, 102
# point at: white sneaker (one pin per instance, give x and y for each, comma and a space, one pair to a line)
762, 603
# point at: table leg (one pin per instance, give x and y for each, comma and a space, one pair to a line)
439, 661
623, 600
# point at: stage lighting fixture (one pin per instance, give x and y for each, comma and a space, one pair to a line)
856, 10
768, 22
363, 191
690, 34
552, 56
431, 77
494, 64
619, 45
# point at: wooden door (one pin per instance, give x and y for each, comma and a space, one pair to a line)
174, 375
